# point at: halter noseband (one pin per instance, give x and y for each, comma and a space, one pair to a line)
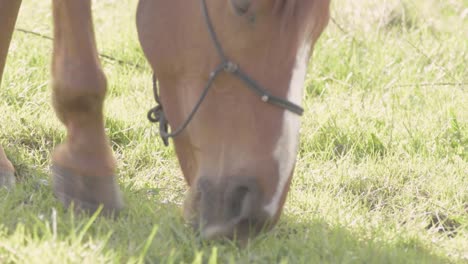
156, 114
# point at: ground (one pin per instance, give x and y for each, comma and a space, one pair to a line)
382, 173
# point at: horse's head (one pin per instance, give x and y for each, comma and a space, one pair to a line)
238, 152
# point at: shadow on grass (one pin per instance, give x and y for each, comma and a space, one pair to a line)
316, 241
31, 214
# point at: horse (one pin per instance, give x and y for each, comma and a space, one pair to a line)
230, 77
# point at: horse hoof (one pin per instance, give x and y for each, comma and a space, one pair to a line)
86, 193
7, 179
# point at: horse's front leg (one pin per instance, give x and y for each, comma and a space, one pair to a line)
8, 14
83, 166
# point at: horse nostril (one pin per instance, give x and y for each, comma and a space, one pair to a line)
204, 185
229, 208
241, 199
239, 202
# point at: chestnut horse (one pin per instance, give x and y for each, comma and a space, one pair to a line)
230, 76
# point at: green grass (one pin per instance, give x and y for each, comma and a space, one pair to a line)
382, 173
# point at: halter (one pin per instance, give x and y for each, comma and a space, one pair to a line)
156, 115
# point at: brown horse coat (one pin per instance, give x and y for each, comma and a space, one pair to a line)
238, 153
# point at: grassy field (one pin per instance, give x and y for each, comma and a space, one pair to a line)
382, 174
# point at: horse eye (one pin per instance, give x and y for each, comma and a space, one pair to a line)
241, 6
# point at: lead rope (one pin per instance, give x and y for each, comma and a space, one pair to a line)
156, 114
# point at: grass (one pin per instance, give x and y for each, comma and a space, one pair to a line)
382, 173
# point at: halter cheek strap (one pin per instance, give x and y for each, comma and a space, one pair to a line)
156, 115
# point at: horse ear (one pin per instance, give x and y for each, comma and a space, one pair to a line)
241, 7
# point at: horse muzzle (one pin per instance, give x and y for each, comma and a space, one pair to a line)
226, 208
